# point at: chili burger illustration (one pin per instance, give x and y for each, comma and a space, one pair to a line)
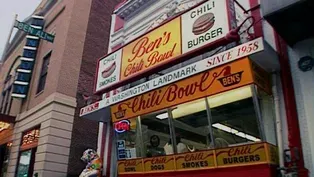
203, 23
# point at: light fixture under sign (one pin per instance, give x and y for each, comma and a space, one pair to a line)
162, 116
235, 132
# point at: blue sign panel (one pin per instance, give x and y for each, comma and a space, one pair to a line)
27, 65
23, 77
121, 149
32, 42
29, 53
20, 90
24, 71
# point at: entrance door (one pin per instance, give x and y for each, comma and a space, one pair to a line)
26, 163
2, 155
4, 159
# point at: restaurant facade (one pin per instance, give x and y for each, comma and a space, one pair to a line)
192, 88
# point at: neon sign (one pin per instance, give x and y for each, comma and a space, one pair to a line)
30, 137
122, 126
24, 71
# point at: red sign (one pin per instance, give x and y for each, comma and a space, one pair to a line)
89, 108
122, 126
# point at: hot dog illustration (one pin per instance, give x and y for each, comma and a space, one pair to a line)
109, 70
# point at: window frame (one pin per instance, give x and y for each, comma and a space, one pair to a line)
258, 116
43, 73
31, 165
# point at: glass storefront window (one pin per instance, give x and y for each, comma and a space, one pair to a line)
240, 116
24, 164
191, 126
234, 118
156, 134
145, 136
128, 139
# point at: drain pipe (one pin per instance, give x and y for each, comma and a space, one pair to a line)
278, 120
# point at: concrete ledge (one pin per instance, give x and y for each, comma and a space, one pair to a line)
53, 98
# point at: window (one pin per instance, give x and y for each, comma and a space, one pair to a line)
7, 106
6, 99
27, 153
191, 126
43, 73
145, 136
6, 96
156, 134
26, 163
232, 118
2, 101
128, 139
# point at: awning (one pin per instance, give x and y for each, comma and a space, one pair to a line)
7, 119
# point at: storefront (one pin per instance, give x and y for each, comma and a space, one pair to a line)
225, 104
219, 113
200, 111
27, 151
6, 137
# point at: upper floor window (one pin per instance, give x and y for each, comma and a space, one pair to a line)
6, 99
43, 73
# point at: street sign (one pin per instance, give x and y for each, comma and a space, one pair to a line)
34, 31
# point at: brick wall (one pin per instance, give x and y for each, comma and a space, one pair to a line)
55, 19
85, 132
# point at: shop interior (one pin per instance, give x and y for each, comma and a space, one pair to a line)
231, 118
4, 158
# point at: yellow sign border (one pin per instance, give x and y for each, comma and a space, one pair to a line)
266, 147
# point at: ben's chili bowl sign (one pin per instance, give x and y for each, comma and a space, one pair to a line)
227, 56
203, 159
254, 153
219, 79
204, 24
154, 48
164, 163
